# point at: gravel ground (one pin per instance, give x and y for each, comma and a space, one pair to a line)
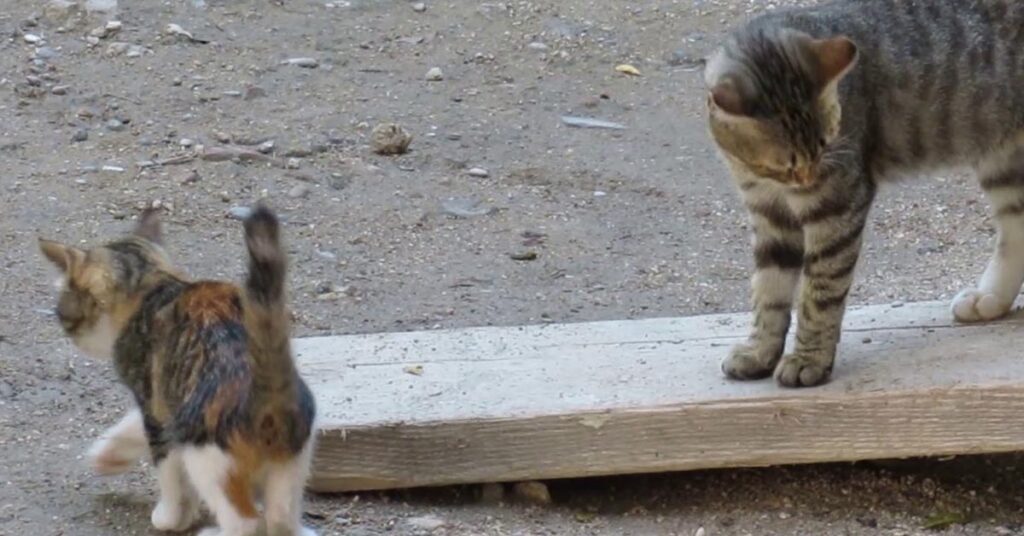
99, 120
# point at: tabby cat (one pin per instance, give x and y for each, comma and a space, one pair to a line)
811, 108
220, 406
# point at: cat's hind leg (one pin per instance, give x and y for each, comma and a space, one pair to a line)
1002, 179
225, 487
283, 495
120, 447
178, 508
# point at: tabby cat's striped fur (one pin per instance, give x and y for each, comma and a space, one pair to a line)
811, 108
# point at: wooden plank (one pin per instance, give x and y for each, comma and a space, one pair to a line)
571, 400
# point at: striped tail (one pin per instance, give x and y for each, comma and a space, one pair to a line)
266, 312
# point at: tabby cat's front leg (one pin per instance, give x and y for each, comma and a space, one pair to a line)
832, 240
778, 254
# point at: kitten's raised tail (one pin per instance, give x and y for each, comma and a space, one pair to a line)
266, 312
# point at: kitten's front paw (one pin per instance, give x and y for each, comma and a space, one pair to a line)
973, 305
306, 531
109, 457
746, 362
801, 371
174, 516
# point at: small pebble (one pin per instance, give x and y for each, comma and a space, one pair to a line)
298, 191
298, 152
80, 135
524, 256
239, 212
308, 63
533, 492
428, 523
419, 7
293, 163
326, 255
186, 142
537, 45
114, 125
478, 172
266, 147
191, 178
116, 169
254, 92
59, 90
46, 53
31, 38
435, 75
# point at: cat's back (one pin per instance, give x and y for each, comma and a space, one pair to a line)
936, 81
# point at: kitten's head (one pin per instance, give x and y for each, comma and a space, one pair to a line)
101, 287
773, 102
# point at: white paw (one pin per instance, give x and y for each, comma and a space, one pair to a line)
166, 516
210, 531
172, 516
973, 305
306, 531
113, 456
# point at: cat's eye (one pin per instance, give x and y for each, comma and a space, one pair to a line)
822, 143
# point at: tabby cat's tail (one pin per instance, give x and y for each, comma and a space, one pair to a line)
266, 312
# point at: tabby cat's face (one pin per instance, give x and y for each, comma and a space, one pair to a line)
773, 105
99, 287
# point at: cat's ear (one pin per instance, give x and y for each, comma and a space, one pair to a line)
64, 257
836, 56
148, 226
726, 96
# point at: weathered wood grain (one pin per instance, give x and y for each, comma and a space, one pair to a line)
569, 400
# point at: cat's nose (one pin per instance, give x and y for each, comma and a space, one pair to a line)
805, 175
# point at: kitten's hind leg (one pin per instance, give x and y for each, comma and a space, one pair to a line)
225, 488
283, 495
120, 447
1002, 178
177, 509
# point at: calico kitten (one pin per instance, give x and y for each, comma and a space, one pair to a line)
221, 407
812, 108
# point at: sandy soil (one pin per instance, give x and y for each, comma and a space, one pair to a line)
625, 224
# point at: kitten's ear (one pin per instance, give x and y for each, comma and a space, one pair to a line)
148, 226
64, 257
726, 96
836, 56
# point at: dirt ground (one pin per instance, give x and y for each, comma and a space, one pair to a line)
630, 223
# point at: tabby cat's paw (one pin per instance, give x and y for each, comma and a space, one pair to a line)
973, 305
746, 362
801, 371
